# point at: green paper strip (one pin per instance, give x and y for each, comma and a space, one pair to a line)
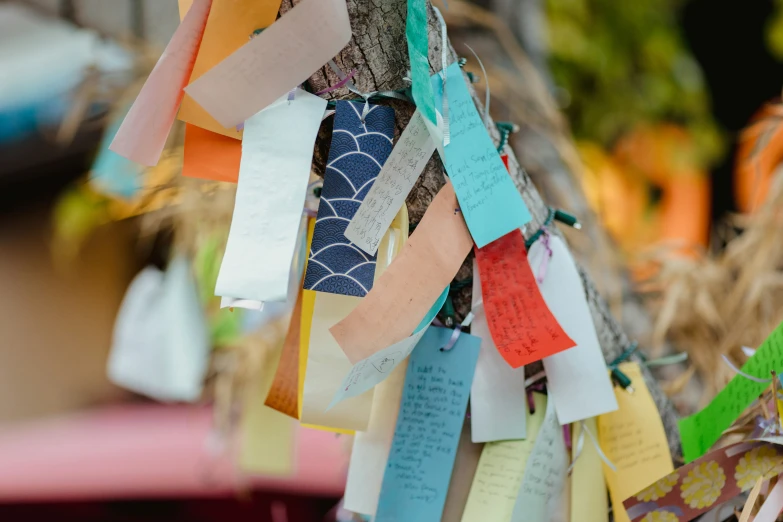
418, 47
701, 430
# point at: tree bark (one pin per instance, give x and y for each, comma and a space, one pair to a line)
378, 52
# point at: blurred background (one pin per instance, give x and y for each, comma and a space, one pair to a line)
656, 122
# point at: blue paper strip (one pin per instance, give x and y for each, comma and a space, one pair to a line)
437, 385
488, 198
358, 151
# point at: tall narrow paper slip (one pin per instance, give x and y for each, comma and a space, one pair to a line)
488, 198
701, 430
371, 448
398, 175
500, 470
498, 409
578, 383
370, 371
359, 148
418, 51
283, 396
146, 127
274, 172
522, 326
634, 440
588, 487
402, 295
437, 385
229, 27
274, 62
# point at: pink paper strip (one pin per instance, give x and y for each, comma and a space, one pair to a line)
274, 62
773, 505
146, 127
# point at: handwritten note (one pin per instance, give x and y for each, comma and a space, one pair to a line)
399, 298
497, 408
578, 383
545, 473
588, 487
391, 187
274, 62
283, 395
522, 326
146, 127
433, 406
701, 430
488, 198
500, 470
229, 27
634, 440
207, 155
274, 171
374, 369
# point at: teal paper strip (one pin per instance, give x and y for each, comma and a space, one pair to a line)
418, 47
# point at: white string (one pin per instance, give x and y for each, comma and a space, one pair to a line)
487, 121
746, 375
580, 443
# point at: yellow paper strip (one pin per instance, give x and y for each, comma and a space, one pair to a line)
588, 488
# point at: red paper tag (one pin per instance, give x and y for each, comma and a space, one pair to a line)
522, 327
504, 157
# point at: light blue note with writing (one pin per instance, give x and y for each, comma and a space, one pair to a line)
434, 399
487, 196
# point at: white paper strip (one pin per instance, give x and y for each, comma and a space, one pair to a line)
276, 154
395, 181
274, 62
579, 384
498, 401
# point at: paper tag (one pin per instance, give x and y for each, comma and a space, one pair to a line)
488, 198
358, 151
578, 382
773, 504
395, 181
274, 172
207, 155
403, 294
229, 26
437, 385
588, 487
634, 440
111, 173
500, 470
144, 131
497, 408
701, 430
545, 472
283, 395
522, 326
418, 49
374, 369
274, 62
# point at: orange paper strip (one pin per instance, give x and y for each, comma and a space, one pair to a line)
284, 394
210, 156
522, 327
401, 297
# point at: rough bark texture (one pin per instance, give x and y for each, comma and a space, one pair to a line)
378, 51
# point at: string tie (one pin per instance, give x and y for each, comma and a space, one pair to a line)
580, 444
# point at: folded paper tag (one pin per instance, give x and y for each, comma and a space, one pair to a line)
146, 127
490, 202
500, 470
229, 26
274, 62
359, 148
701, 430
207, 155
578, 382
428, 429
398, 175
588, 487
374, 369
634, 440
274, 172
283, 395
497, 408
402, 295
522, 326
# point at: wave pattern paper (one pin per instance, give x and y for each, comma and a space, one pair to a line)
357, 154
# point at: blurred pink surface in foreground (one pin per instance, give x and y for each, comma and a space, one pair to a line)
146, 451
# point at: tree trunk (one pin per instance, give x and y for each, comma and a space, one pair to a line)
378, 52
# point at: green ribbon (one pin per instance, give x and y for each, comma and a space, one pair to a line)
418, 46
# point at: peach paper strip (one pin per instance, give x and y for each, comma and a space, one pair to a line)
274, 62
146, 127
405, 292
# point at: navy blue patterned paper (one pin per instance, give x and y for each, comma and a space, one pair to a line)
357, 153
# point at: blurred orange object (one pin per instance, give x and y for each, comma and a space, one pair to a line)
759, 152
210, 156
